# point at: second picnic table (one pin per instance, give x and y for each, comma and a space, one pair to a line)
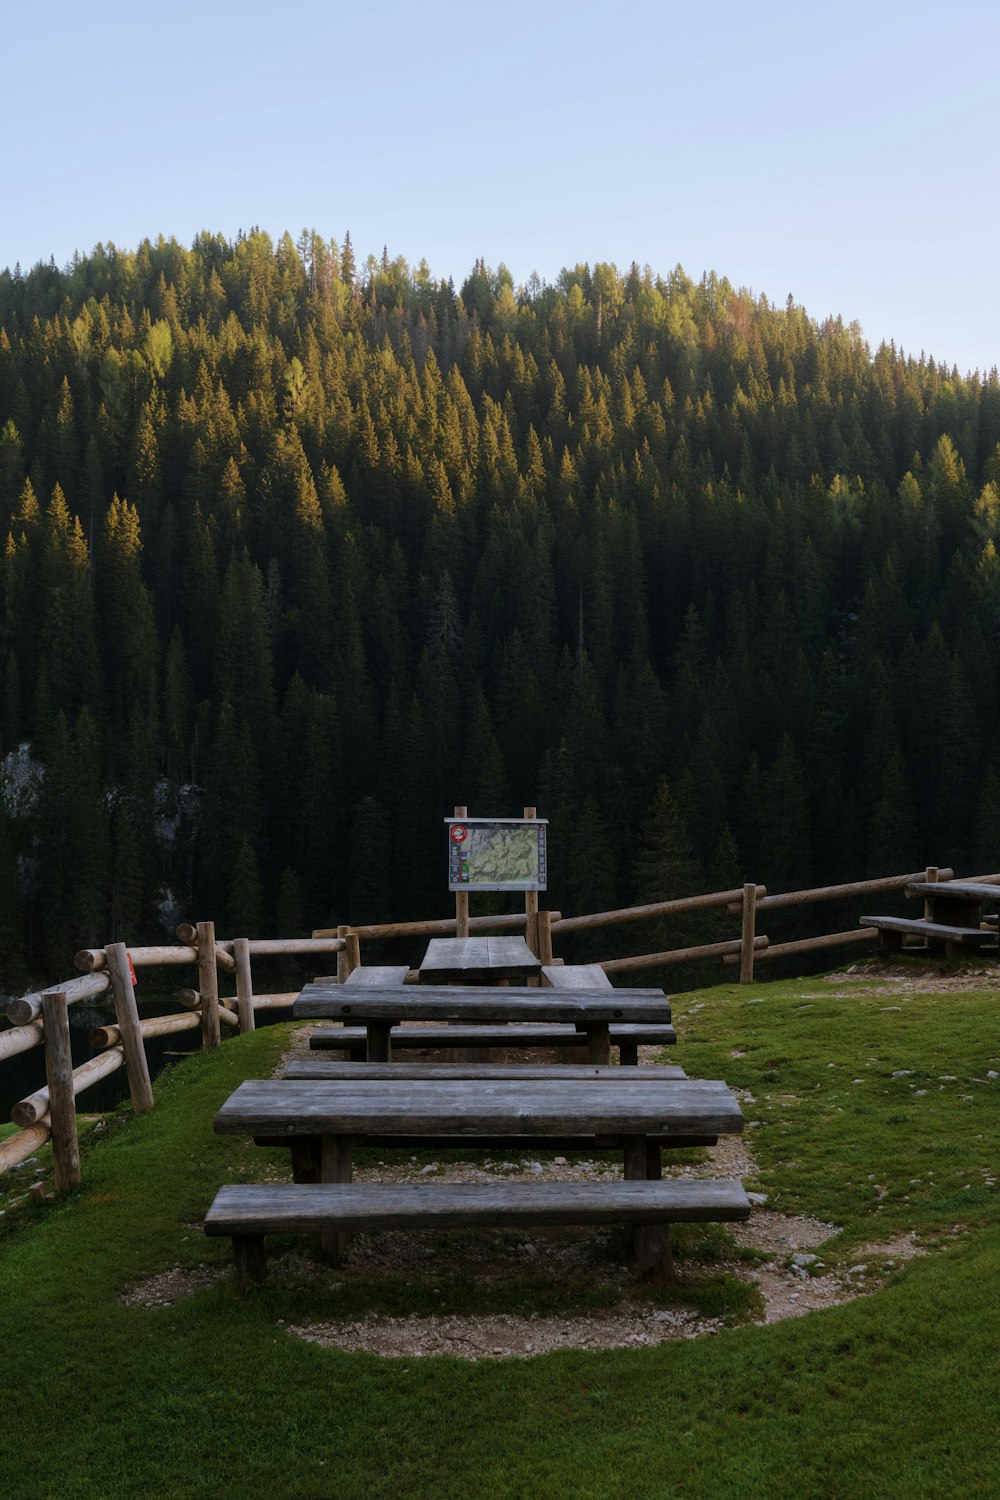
378, 1009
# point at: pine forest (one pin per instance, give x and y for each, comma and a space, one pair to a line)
300, 552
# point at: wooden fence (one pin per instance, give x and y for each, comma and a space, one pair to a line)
42, 1019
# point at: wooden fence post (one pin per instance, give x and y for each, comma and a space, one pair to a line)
244, 984
931, 874
127, 1014
62, 1101
545, 937
749, 933
208, 985
352, 953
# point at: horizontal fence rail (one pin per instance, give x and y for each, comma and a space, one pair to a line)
654, 909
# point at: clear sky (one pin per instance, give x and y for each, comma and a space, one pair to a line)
844, 153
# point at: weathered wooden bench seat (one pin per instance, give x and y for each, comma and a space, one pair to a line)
325, 1067
628, 1037
575, 977
892, 931
249, 1212
377, 976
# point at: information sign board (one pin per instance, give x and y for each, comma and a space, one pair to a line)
497, 854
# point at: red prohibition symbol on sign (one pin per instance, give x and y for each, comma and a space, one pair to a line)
458, 833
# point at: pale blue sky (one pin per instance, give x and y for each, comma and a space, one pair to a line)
844, 153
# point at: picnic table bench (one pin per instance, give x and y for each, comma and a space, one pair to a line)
322, 1067
628, 1038
575, 977
482, 960
935, 935
248, 1213
324, 1120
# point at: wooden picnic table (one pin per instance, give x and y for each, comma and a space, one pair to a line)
485, 960
379, 1008
322, 1121
952, 920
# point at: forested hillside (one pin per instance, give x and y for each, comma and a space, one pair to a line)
298, 553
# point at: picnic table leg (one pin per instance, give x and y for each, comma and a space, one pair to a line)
599, 1042
650, 1242
248, 1258
335, 1166
306, 1161
378, 1041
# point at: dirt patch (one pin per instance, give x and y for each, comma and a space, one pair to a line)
168, 1287
501, 1336
921, 977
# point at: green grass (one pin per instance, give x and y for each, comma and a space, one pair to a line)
892, 1395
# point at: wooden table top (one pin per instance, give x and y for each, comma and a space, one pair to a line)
472, 959
971, 890
479, 1003
606, 1107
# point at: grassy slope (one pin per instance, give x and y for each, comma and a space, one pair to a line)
891, 1395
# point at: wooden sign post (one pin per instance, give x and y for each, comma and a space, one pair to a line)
531, 905
461, 897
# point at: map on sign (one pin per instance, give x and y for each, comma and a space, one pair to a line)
492, 854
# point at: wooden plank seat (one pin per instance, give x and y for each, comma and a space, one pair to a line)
892, 931
477, 960
325, 1067
375, 976
575, 977
628, 1037
247, 1213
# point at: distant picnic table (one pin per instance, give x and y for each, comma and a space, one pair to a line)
954, 920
